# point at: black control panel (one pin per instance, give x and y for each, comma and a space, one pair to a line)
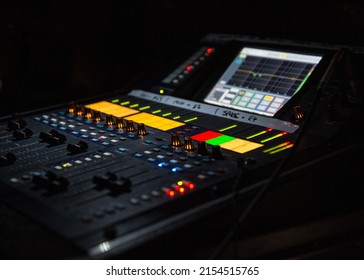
107, 175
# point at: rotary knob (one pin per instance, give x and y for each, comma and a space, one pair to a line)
109, 120
188, 144
217, 152
176, 140
298, 114
97, 116
130, 126
141, 130
202, 149
120, 123
88, 113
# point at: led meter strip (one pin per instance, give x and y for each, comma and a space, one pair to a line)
217, 111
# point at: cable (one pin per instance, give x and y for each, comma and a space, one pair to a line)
240, 220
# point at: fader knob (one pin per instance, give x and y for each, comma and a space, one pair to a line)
80, 147
188, 144
12, 125
9, 158
19, 135
141, 130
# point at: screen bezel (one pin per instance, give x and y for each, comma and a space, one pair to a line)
233, 49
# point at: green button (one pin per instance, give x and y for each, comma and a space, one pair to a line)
220, 140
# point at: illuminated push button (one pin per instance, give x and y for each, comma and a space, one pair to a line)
145, 197
155, 193
134, 201
187, 166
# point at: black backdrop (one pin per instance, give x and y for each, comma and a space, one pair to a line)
56, 51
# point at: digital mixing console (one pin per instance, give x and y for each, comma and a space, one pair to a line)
107, 175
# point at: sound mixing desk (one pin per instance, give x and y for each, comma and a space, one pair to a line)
225, 119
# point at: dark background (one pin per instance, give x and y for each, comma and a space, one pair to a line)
57, 51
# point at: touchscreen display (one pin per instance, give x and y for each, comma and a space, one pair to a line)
261, 81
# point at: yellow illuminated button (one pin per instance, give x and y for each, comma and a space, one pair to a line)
240, 146
155, 121
268, 98
111, 109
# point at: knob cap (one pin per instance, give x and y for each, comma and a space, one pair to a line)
141, 130
217, 152
97, 116
130, 126
109, 120
120, 123
188, 144
298, 114
79, 111
88, 113
202, 149
176, 140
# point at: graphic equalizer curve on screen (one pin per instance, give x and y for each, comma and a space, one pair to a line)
262, 81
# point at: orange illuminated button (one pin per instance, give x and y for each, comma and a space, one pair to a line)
109, 108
